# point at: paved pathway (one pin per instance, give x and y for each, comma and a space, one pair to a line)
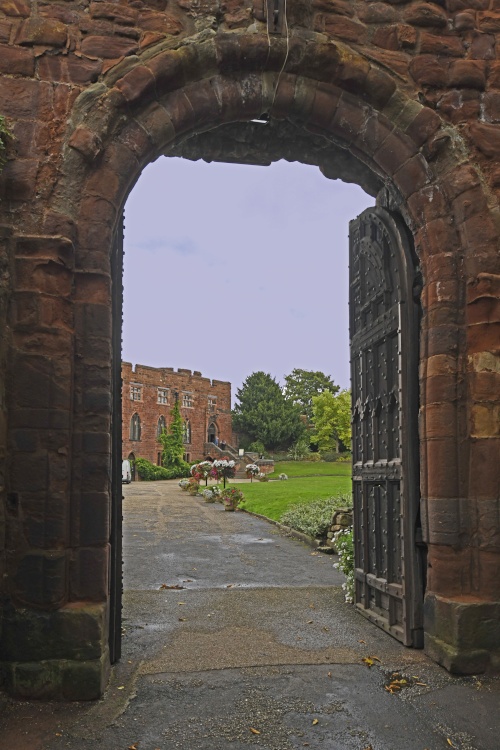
257, 650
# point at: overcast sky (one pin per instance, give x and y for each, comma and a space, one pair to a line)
231, 269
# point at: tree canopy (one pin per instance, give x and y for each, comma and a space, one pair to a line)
173, 441
332, 419
302, 385
264, 414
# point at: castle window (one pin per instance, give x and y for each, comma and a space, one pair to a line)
162, 395
187, 400
135, 427
136, 392
186, 428
212, 402
162, 425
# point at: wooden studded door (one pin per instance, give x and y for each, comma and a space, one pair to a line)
384, 333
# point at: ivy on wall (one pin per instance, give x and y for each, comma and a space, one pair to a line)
4, 134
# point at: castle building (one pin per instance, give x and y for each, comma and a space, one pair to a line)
148, 395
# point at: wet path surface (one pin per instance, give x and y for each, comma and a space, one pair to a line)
256, 650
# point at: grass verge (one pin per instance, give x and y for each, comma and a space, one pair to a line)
272, 499
311, 469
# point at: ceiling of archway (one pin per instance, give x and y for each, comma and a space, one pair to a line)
263, 143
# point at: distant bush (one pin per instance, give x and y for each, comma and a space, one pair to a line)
149, 472
312, 457
314, 518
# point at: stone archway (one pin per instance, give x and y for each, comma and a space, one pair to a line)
327, 104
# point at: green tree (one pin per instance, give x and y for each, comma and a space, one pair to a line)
332, 419
172, 441
302, 385
264, 414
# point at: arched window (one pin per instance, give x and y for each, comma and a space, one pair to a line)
162, 425
212, 433
135, 427
186, 428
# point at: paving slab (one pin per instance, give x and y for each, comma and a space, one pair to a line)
257, 649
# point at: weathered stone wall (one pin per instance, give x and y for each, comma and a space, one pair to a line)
401, 97
149, 379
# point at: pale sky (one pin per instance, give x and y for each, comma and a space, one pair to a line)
230, 269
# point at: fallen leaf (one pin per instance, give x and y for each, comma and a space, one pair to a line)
174, 586
329, 675
58, 734
325, 630
254, 731
311, 606
182, 619
187, 580
315, 721
450, 743
361, 641
133, 747
180, 603
368, 661
423, 684
230, 585
309, 622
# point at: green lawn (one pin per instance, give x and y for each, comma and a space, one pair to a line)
272, 499
312, 469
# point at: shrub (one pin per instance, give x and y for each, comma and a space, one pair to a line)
184, 484
208, 496
262, 477
312, 456
299, 449
150, 472
330, 456
231, 497
344, 544
194, 487
283, 476
314, 518
257, 447
345, 457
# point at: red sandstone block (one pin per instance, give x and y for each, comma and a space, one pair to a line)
467, 74
166, 23
117, 13
284, 96
464, 21
104, 181
483, 337
16, 60
43, 31
108, 47
437, 44
441, 267
344, 28
484, 462
135, 138
442, 292
491, 106
56, 313
484, 386
326, 99
428, 204
439, 419
460, 179
89, 574
349, 118
158, 125
379, 86
18, 180
93, 287
5, 30
386, 37
69, 68
482, 47
398, 62
480, 229
396, 151
442, 468
469, 203
375, 13
489, 21
443, 340
16, 8
412, 176
460, 106
203, 100
429, 70
440, 388
139, 83
438, 236
425, 14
